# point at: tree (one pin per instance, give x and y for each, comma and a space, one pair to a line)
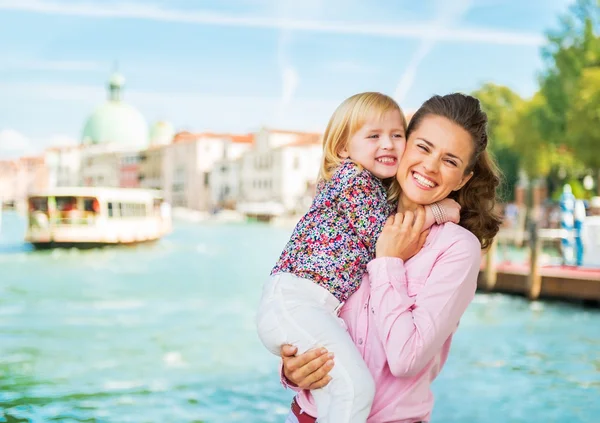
583, 122
572, 51
501, 105
538, 157
571, 85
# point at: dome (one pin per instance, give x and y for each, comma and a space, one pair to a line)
115, 121
162, 133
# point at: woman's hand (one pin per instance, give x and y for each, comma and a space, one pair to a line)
308, 370
402, 235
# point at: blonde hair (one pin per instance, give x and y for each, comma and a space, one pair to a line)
347, 119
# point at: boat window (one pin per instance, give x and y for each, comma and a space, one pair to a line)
90, 204
110, 209
64, 204
38, 204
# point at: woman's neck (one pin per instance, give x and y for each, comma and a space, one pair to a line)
404, 204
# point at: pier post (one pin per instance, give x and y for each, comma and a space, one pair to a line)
491, 272
534, 280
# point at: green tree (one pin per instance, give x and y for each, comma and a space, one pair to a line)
583, 122
572, 51
538, 157
501, 105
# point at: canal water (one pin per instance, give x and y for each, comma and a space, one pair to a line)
164, 333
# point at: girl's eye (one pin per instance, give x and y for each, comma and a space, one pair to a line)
374, 136
453, 163
398, 136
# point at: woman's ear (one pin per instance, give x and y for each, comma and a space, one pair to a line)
463, 181
344, 154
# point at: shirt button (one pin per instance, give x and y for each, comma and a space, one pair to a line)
360, 341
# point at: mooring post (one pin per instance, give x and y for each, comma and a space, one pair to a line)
534, 281
491, 272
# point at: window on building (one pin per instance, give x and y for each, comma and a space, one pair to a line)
206, 179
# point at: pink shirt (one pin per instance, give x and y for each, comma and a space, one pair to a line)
403, 317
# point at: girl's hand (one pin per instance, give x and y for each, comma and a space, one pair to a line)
308, 370
402, 235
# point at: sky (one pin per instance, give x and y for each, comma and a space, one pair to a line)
238, 65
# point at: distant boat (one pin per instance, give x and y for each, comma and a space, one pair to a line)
85, 217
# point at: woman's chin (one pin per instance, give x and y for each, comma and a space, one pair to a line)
417, 196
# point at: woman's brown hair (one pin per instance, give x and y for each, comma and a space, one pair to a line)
477, 197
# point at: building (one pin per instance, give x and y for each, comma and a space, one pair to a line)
9, 173
64, 166
278, 176
225, 177
112, 141
152, 160
22, 177
151, 165
116, 122
191, 160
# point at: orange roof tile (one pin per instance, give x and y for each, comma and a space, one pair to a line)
237, 138
290, 132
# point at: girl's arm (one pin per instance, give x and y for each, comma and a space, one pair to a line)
363, 202
443, 211
413, 330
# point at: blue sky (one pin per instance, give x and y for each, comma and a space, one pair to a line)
235, 65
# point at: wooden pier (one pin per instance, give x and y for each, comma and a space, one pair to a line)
536, 281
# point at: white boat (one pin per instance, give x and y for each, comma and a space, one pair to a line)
86, 217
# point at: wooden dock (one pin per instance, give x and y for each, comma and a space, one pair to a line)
537, 281
556, 282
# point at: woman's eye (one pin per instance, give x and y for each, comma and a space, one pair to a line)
451, 163
422, 147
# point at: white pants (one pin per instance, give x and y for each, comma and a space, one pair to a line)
299, 312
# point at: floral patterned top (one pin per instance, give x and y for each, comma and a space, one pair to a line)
335, 240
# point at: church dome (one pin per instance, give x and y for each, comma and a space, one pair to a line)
162, 133
115, 121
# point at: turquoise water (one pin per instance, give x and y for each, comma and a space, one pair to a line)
164, 333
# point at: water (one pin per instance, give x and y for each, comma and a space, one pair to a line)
164, 333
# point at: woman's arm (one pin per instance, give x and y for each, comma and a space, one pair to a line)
413, 330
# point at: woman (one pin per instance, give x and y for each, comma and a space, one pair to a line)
404, 315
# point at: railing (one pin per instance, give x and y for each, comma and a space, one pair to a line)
43, 222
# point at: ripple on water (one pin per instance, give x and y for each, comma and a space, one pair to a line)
165, 332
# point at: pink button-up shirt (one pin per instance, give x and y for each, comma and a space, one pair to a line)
402, 320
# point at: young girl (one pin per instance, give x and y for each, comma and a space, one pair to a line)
326, 257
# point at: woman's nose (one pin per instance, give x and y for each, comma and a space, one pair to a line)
432, 164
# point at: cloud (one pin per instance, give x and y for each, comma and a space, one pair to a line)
448, 13
53, 65
424, 30
71, 104
289, 75
13, 144
60, 140
351, 66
